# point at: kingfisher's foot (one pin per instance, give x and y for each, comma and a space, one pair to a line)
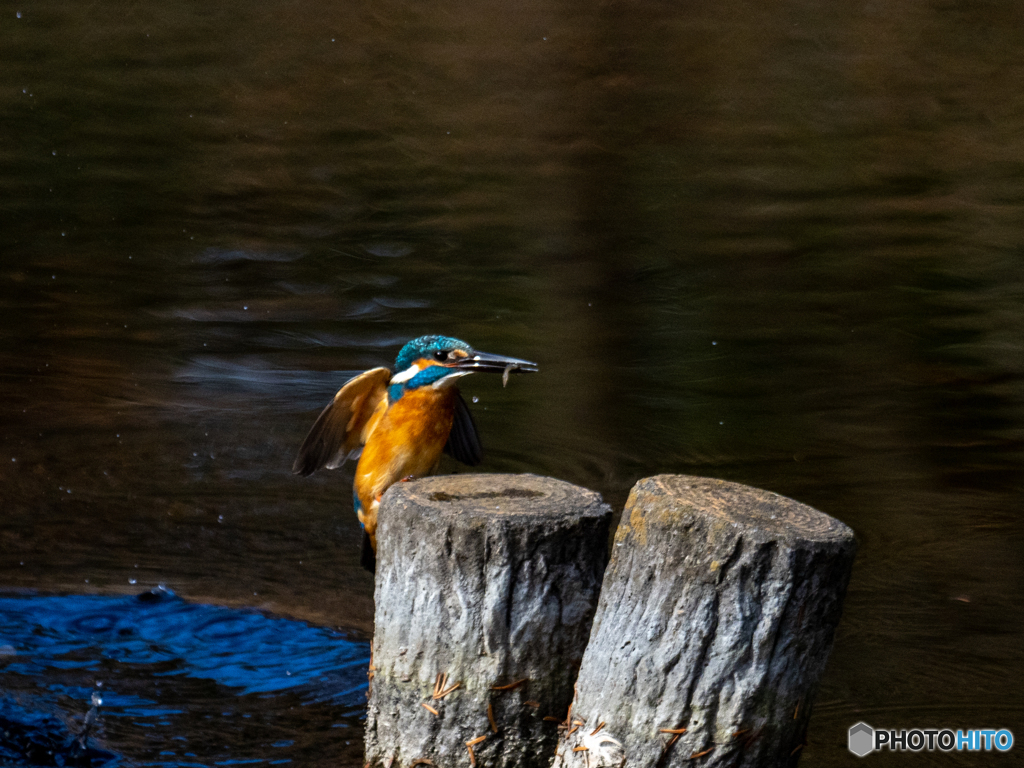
407, 478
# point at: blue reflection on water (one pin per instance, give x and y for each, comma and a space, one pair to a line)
55, 650
241, 649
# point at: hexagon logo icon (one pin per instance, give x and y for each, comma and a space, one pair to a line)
861, 739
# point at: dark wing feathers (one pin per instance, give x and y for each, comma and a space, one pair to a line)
339, 429
464, 441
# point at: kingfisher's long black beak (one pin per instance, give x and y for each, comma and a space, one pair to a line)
486, 363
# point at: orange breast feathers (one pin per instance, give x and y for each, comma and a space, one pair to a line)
407, 440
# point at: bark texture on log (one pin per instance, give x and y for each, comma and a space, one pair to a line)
716, 616
489, 580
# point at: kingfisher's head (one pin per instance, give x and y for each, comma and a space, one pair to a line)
441, 360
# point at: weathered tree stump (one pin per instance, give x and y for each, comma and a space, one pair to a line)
486, 591
716, 616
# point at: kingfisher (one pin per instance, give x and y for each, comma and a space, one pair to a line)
398, 425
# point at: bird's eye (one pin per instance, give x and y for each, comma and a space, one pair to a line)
441, 355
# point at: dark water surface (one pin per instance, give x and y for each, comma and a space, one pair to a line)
171, 682
776, 243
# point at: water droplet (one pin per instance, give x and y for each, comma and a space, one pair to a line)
18, 14
96, 698
714, 343
220, 518
131, 581
476, 399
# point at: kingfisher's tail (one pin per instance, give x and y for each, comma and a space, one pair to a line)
367, 557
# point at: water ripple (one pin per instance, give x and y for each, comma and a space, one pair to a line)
151, 660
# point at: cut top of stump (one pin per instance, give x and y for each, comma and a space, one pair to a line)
668, 501
491, 495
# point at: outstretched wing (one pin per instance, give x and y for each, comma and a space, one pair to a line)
464, 441
343, 426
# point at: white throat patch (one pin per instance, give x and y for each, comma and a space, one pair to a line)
450, 379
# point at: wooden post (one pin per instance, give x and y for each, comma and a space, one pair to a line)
715, 621
486, 591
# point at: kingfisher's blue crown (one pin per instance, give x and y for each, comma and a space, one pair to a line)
426, 346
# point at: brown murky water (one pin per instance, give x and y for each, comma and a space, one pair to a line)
773, 243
